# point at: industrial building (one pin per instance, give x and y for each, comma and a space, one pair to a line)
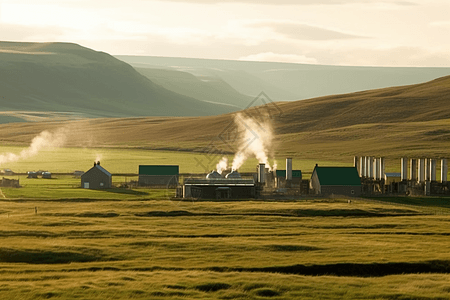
159, 175
420, 180
96, 178
335, 180
248, 185
214, 186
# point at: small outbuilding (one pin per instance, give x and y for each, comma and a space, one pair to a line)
280, 179
390, 178
32, 174
96, 178
335, 180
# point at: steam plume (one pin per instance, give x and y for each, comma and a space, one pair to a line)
222, 165
98, 157
255, 139
45, 140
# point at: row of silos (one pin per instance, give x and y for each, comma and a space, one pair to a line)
423, 169
370, 167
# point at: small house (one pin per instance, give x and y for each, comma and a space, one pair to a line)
335, 180
96, 178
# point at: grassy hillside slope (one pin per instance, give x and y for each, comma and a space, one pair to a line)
287, 81
408, 120
68, 77
205, 88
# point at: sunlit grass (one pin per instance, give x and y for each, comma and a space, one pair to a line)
146, 249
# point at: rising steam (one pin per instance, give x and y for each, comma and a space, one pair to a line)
45, 140
255, 139
222, 165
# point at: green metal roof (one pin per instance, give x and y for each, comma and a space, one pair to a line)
159, 170
338, 176
295, 173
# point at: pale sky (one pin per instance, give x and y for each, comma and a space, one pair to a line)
328, 32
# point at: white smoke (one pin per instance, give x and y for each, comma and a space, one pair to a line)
45, 140
222, 165
255, 139
98, 157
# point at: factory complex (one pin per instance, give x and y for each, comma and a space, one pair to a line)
367, 177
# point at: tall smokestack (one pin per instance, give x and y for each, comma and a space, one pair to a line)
362, 161
261, 173
427, 169
376, 168
382, 167
421, 170
404, 168
444, 170
432, 169
413, 169
288, 168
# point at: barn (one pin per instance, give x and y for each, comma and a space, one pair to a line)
335, 180
96, 178
159, 175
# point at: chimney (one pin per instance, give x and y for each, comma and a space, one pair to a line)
98, 163
94, 164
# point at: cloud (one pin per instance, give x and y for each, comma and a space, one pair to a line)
277, 57
300, 31
11, 32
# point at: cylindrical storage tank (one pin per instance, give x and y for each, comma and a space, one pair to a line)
433, 169
356, 163
421, 170
404, 169
444, 170
288, 168
413, 169
261, 173
382, 167
362, 161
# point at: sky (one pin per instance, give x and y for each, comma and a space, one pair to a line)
326, 32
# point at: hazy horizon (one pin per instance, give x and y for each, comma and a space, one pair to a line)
393, 33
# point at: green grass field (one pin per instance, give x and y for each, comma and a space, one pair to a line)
58, 241
167, 249
67, 160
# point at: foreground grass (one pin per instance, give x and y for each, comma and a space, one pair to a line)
155, 249
68, 187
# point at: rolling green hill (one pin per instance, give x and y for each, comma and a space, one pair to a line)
392, 122
67, 77
205, 88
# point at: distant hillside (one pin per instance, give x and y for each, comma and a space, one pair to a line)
70, 78
206, 88
399, 121
287, 81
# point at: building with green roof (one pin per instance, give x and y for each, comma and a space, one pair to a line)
159, 175
335, 180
